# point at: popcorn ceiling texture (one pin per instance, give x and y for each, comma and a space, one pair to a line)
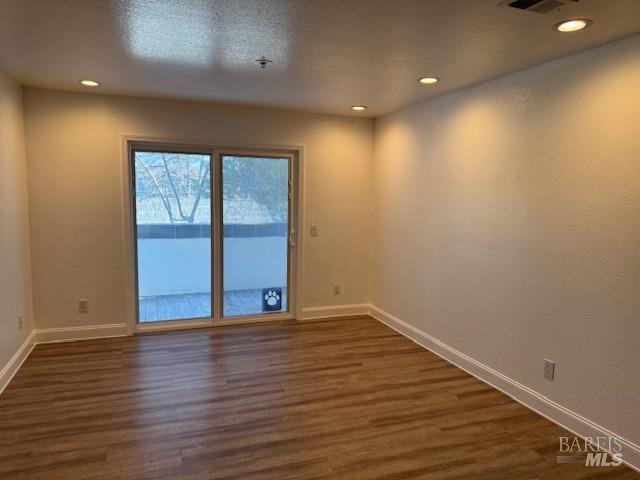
327, 54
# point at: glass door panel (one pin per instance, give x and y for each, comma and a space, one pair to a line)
173, 235
255, 247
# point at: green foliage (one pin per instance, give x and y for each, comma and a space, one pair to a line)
177, 183
263, 180
179, 180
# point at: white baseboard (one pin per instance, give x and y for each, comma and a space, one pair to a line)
531, 399
10, 369
69, 334
334, 311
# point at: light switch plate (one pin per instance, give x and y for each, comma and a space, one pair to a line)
549, 369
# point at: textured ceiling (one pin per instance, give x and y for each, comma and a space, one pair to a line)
327, 54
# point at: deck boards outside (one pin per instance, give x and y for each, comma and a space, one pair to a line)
197, 305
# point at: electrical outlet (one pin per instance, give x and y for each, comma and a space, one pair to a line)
83, 306
314, 230
549, 369
336, 289
20, 322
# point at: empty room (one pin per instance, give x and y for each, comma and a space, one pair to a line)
319, 239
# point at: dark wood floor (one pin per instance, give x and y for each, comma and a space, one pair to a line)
344, 399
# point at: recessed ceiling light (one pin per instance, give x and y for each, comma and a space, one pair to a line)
90, 83
359, 108
428, 80
573, 25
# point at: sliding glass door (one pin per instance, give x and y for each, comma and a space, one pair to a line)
173, 235
213, 234
255, 215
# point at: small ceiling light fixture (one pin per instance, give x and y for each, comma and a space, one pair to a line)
573, 25
359, 108
428, 80
263, 62
90, 83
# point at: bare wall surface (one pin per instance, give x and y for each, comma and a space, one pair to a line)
74, 146
15, 276
508, 226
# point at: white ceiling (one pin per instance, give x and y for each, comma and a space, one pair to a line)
327, 54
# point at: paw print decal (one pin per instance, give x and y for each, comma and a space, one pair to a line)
272, 299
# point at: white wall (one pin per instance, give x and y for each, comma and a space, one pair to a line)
74, 146
256, 262
508, 227
169, 266
15, 276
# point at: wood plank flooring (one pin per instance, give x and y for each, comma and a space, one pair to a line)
336, 399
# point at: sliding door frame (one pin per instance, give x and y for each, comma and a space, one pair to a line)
291, 230
294, 154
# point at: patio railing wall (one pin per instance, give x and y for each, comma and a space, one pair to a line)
174, 259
